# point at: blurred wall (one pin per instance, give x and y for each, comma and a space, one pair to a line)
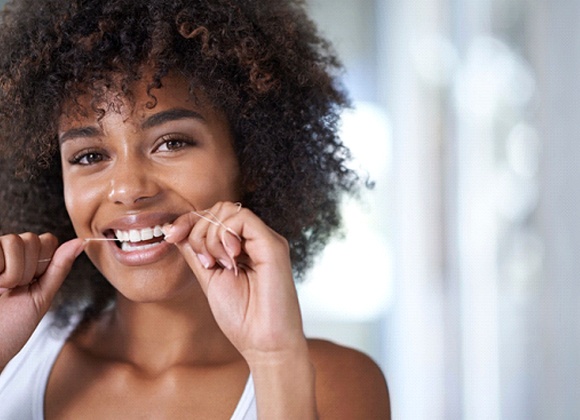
555, 317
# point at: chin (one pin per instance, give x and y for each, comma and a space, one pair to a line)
155, 285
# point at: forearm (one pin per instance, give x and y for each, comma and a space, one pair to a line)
284, 385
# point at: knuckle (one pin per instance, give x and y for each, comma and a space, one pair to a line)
195, 240
244, 212
218, 206
49, 239
9, 281
28, 236
29, 239
11, 240
282, 241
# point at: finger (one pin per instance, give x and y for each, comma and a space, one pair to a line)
2, 264
231, 242
191, 228
260, 245
180, 228
198, 240
224, 241
13, 261
193, 246
205, 258
234, 247
215, 245
31, 248
207, 236
48, 244
59, 267
197, 263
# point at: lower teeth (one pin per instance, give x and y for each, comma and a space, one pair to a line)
129, 246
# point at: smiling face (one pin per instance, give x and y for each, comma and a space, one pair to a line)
137, 168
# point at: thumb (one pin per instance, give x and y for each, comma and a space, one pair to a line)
59, 267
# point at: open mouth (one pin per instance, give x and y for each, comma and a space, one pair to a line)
136, 239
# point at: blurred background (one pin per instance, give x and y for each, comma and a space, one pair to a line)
458, 272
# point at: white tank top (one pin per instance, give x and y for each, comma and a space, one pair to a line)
23, 381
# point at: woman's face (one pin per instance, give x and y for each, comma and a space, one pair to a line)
137, 168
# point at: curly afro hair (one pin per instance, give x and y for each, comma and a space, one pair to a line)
262, 62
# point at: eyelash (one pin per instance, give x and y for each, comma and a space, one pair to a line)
85, 154
172, 138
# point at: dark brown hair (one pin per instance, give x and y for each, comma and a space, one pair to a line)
260, 61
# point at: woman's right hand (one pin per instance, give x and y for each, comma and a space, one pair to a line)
32, 268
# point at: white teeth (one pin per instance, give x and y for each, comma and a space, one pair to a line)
147, 234
134, 235
129, 246
138, 235
122, 236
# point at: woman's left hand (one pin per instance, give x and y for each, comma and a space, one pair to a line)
244, 268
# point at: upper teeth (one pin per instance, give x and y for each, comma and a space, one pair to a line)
138, 235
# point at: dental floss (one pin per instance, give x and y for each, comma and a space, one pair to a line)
45, 260
217, 222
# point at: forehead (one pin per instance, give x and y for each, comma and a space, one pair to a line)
136, 102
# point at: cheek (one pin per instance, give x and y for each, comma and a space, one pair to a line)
68, 190
205, 182
226, 174
78, 200
220, 186
73, 204
68, 197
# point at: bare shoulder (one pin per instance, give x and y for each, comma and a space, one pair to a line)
349, 384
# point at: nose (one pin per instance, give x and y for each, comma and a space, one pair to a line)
131, 182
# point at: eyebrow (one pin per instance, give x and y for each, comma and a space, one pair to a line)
154, 120
170, 115
79, 132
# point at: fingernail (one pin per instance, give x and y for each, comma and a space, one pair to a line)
203, 260
226, 245
167, 230
225, 263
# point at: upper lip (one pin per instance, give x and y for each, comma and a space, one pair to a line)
139, 221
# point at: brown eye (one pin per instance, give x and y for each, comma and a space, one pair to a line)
173, 144
87, 158
170, 145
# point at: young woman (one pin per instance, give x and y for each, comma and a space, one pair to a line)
188, 148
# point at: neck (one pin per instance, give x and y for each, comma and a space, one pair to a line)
157, 336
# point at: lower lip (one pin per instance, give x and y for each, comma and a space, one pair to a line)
148, 255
